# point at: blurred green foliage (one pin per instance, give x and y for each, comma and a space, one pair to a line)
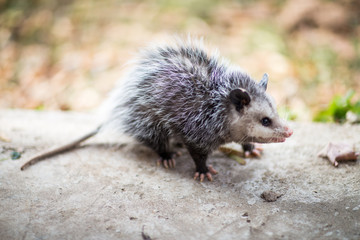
286, 113
266, 37
200, 8
338, 108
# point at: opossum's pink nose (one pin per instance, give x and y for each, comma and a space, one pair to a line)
288, 132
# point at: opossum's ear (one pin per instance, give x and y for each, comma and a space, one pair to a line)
240, 98
264, 81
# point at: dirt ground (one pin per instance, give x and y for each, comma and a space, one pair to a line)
112, 188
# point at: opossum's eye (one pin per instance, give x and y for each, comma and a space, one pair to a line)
266, 121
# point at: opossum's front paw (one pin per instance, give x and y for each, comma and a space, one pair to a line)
168, 160
167, 163
252, 149
208, 174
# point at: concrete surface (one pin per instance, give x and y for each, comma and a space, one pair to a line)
111, 191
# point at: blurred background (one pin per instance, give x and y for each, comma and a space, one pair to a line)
69, 54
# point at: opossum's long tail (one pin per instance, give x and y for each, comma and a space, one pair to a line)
59, 150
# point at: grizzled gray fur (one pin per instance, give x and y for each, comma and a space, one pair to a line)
182, 91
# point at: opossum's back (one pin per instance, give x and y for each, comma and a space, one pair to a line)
167, 73
167, 86
179, 66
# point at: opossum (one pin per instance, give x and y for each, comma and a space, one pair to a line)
182, 91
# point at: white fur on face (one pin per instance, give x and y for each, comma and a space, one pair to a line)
246, 125
257, 112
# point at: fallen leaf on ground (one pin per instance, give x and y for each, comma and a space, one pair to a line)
338, 152
233, 152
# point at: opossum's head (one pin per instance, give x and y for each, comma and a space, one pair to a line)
253, 116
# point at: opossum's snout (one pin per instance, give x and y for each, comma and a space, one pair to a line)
278, 136
288, 132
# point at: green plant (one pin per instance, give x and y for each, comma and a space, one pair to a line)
338, 108
286, 113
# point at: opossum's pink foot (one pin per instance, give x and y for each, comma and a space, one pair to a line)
168, 161
253, 150
207, 174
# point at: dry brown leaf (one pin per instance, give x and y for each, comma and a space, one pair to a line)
338, 152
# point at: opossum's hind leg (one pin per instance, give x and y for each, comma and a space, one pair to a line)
252, 149
160, 144
199, 156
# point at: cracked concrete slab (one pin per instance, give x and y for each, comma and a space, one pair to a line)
111, 187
